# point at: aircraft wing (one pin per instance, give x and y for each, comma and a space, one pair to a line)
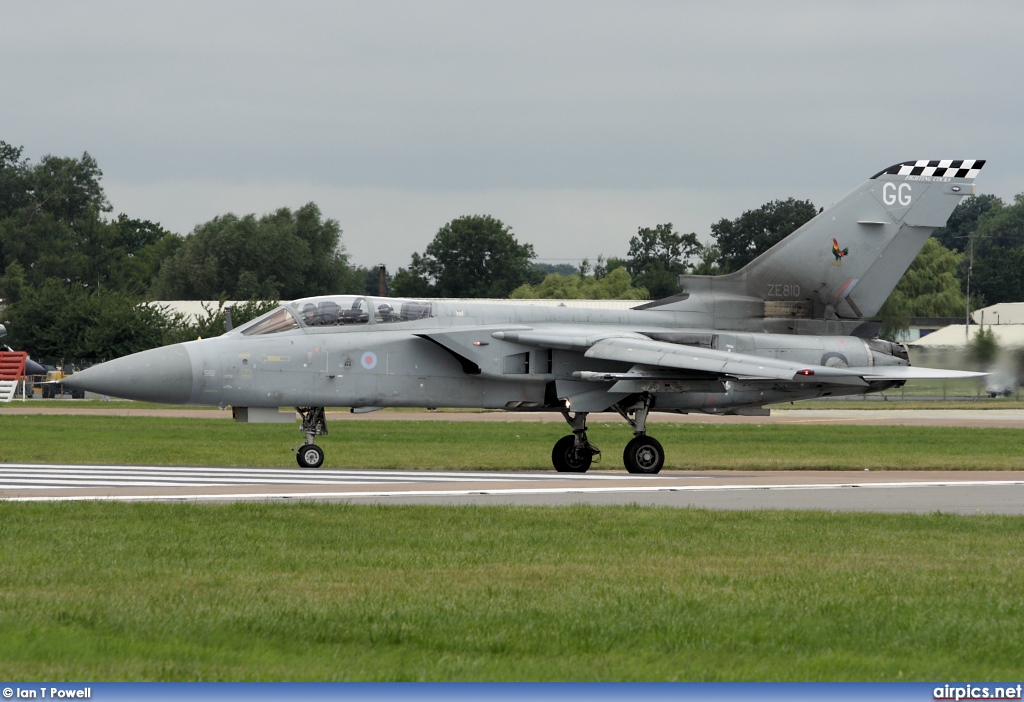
639, 350
736, 365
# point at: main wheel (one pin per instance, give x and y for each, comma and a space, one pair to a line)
643, 455
310, 456
568, 459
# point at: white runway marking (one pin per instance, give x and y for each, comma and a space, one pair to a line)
39, 482
227, 496
14, 476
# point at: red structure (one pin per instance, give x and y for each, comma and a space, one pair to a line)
12, 369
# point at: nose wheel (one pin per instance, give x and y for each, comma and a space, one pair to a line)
314, 423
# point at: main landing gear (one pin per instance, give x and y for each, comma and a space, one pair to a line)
573, 453
643, 454
314, 423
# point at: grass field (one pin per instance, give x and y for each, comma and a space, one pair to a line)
926, 394
335, 592
896, 404
500, 445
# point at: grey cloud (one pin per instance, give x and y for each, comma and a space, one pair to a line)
513, 96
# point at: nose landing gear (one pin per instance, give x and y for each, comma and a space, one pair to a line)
314, 423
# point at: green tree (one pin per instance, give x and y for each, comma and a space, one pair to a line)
710, 261
213, 321
60, 322
984, 347
559, 268
964, 221
68, 188
998, 269
928, 289
12, 283
141, 248
371, 279
14, 184
616, 285
741, 240
51, 223
282, 255
658, 256
474, 256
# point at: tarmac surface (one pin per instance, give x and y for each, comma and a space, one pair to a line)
962, 492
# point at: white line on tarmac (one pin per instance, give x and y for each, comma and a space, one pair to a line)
308, 474
511, 491
11, 481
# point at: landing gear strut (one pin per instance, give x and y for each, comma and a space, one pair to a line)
574, 454
314, 423
643, 454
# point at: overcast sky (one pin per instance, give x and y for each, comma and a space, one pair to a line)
572, 122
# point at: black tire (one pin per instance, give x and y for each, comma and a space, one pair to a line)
310, 456
643, 455
567, 459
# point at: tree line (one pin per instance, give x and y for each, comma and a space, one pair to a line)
72, 276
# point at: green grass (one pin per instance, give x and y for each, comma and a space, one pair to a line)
928, 394
500, 445
896, 404
94, 591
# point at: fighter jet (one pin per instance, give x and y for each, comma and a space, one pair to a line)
791, 325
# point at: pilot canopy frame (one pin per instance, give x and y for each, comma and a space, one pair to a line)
338, 311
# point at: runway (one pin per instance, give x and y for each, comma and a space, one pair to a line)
963, 492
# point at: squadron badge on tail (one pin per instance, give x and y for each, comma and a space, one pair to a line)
838, 253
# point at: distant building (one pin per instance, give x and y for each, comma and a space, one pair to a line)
192, 309
998, 315
923, 326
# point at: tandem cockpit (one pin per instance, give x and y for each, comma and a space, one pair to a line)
337, 311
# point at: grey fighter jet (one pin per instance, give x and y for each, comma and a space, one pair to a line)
791, 325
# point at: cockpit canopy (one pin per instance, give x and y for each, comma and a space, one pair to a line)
338, 310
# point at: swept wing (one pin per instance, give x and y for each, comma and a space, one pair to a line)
639, 350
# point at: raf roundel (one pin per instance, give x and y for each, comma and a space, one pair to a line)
369, 360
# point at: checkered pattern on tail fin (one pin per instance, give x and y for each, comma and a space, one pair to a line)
954, 168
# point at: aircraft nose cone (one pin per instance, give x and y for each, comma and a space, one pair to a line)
157, 375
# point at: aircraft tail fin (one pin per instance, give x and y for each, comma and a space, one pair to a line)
846, 261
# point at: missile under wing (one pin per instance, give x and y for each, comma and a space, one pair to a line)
791, 325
